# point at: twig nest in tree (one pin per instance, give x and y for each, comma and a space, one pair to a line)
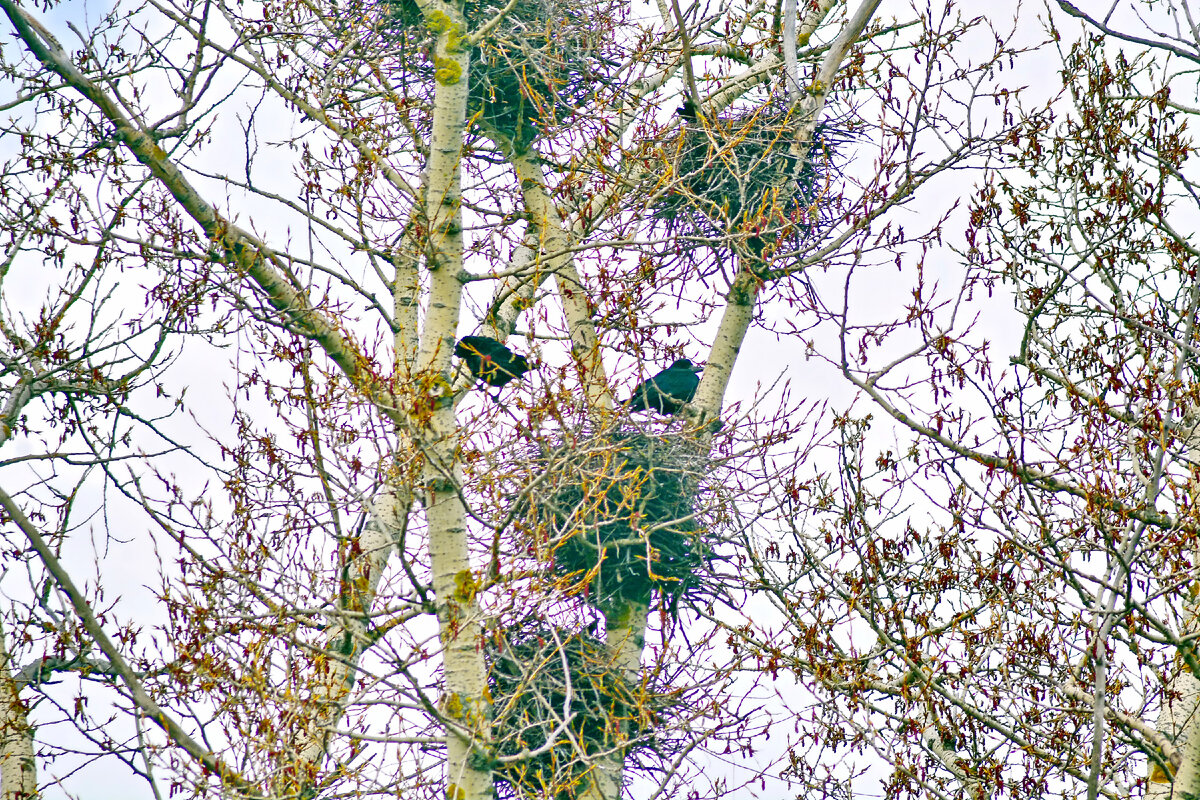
737, 175
616, 513
540, 64
553, 692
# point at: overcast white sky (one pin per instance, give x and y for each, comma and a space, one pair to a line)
765, 360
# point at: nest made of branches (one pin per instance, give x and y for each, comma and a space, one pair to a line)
558, 702
539, 65
737, 174
616, 513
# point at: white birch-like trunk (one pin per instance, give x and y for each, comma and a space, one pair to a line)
951, 760
556, 242
346, 642
743, 292
18, 770
1179, 719
626, 627
464, 702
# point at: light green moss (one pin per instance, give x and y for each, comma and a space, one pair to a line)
447, 71
454, 706
439, 22
465, 586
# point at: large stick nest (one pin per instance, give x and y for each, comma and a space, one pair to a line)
539, 65
558, 705
737, 174
617, 513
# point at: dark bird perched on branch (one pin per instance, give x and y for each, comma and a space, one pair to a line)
490, 361
687, 111
668, 391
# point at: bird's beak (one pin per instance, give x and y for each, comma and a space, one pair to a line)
697, 367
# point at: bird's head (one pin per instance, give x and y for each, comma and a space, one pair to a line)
686, 365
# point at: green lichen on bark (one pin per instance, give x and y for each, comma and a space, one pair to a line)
447, 71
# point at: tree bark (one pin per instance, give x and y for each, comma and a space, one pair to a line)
18, 770
1179, 718
464, 703
556, 243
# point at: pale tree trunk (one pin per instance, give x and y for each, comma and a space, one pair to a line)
465, 705
626, 629
547, 252
1179, 719
18, 771
556, 243
513, 293
955, 764
742, 295
346, 642
406, 299
626, 621
429, 417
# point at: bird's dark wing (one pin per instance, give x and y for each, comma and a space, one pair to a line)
490, 361
645, 396
666, 392
678, 384
507, 367
479, 346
